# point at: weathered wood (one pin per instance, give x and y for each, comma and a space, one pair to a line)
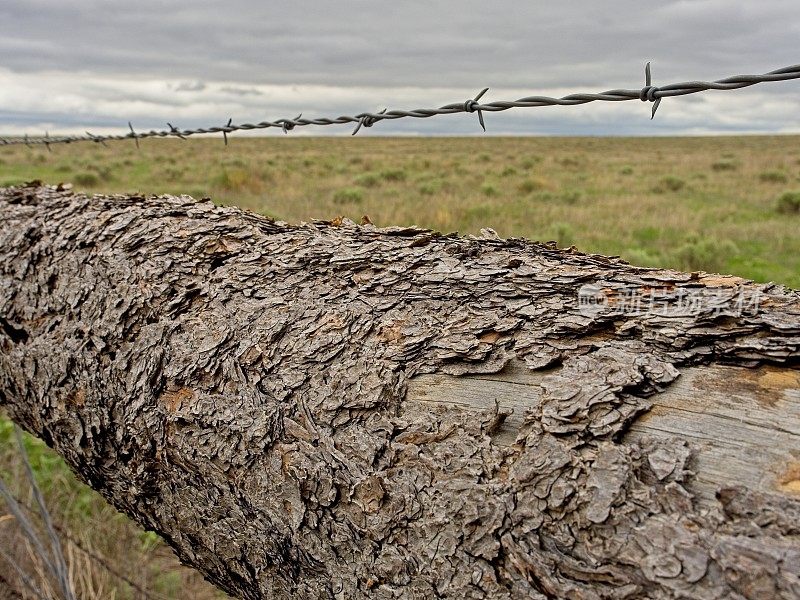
319, 411
744, 423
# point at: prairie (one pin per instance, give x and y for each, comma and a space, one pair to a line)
723, 204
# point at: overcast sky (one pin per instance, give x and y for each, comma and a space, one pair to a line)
72, 65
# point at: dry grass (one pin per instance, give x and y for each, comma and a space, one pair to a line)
687, 203
94, 537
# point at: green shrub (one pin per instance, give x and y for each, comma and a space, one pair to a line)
508, 172
705, 254
393, 175
570, 162
368, 180
724, 165
487, 189
103, 171
562, 233
645, 235
235, 180
171, 174
149, 540
528, 162
626, 170
773, 177
642, 257
429, 188
788, 203
88, 179
670, 183
531, 185
571, 196
233, 162
348, 196
168, 583
544, 196
480, 213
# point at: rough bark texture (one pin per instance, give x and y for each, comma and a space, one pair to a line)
239, 385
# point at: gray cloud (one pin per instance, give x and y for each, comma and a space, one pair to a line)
256, 49
189, 86
240, 91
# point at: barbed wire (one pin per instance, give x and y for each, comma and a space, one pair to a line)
648, 93
54, 561
92, 555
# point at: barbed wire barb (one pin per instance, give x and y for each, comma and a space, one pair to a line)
473, 106
289, 124
98, 139
368, 120
225, 130
133, 134
648, 93
175, 131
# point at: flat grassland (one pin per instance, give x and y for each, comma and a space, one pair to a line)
725, 204
722, 204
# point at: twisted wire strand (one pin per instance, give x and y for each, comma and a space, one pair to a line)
94, 556
648, 93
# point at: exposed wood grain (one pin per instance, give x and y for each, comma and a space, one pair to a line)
241, 386
743, 424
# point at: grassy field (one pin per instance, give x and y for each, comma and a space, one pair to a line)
729, 205
726, 204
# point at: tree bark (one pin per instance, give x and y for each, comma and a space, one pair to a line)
324, 410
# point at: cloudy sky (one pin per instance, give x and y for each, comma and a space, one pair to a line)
68, 66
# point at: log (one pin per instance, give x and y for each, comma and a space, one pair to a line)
327, 410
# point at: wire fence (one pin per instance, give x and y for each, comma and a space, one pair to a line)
48, 549
648, 93
94, 557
